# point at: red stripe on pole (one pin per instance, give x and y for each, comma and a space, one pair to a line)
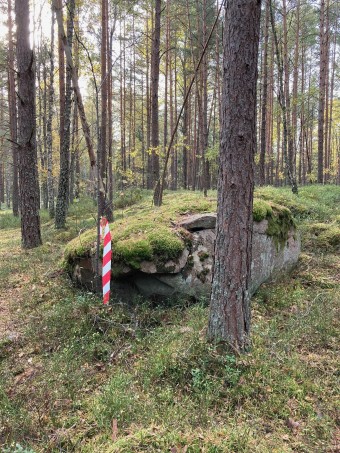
106, 258
106, 278
106, 264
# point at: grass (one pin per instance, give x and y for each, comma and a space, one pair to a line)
77, 376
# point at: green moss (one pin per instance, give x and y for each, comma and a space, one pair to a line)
190, 262
324, 235
279, 224
186, 236
165, 244
280, 219
316, 202
132, 251
202, 275
81, 245
261, 210
203, 256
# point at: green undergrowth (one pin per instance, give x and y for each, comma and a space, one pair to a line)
316, 210
76, 376
315, 202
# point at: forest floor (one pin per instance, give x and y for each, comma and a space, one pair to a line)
77, 376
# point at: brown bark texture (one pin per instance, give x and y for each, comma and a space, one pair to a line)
65, 136
50, 180
12, 107
78, 96
154, 170
27, 152
322, 90
229, 320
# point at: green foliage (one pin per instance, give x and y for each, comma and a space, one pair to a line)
127, 197
8, 221
313, 202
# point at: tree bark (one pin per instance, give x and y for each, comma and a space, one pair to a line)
81, 109
64, 175
104, 207
12, 105
27, 152
262, 174
229, 320
154, 171
50, 179
282, 98
322, 90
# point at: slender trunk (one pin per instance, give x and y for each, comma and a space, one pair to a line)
104, 206
288, 127
27, 152
262, 178
332, 159
64, 175
148, 111
326, 122
322, 89
12, 106
109, 117
166, 80
78, 96
282, 97
50, 179
154, 94
185, 129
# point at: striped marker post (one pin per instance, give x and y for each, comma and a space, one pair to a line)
107, 253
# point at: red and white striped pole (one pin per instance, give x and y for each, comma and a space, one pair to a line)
107, 253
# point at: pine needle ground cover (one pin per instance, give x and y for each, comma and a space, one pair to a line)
76, 376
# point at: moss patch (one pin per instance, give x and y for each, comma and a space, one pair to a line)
280, 219
279, 224
261, 210
82, 245
325, 236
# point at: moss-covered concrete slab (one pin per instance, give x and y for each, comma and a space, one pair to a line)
178, 238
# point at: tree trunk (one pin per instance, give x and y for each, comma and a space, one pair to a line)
229, 319
331, 101
148, 111
282, 98
104, 207
12, 106
27, 152
81, 109
109, 114
295, 86
44, 144
262, 174
50, 179
154, 94
322, 90
64, 175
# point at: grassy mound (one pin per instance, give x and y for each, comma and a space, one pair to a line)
148, 233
